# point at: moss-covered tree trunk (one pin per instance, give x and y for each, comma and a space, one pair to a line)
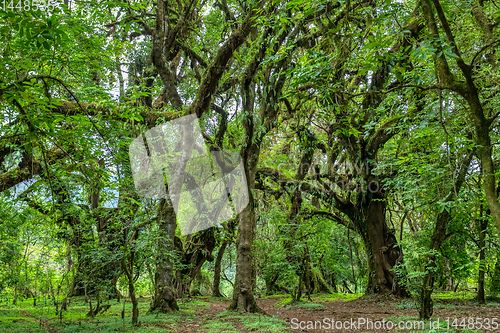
382, 251
243, 298
164, 299
217, 270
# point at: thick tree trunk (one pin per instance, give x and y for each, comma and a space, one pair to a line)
293, 256
303, 257
426, 304
489, 183
198, 250
243, 299
164, 299
135, 304
383, 252
217, 270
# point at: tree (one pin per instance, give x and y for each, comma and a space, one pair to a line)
469, 87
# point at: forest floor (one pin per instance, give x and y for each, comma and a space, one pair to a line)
207, 314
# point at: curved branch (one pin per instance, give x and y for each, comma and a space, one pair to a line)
25, 171
330, 216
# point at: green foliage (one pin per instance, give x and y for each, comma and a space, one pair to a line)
406, 304
345, 85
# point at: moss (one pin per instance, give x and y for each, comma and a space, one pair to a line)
454, 295
283, 301
305, 305
254, 322
219, 326
407, 304
21, 326
335, 297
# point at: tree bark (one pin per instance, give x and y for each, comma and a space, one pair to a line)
426, 304
131, 291
303, 257
198, 251
243, 299
217, 270
495, 283
482, 257
383, 252
164, 299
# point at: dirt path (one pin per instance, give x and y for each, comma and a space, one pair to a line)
378, 309
355, 315
48, 327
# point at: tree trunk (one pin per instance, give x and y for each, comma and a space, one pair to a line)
217, 270
195, 253
469, 91
243, 299
301, 256
164, 298
64, 304
495, 283
14, 300
426, 304
271, 284
383, 252
128, 268
482, 246
133, 298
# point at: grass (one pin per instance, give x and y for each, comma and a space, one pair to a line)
335, 297
255, 322
13, 320
283, 301
194, 312
492, 304
318, 298
304, 305
24, 326
219, 326
407, 304
454, 295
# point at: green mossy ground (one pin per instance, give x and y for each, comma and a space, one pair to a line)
209, 315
